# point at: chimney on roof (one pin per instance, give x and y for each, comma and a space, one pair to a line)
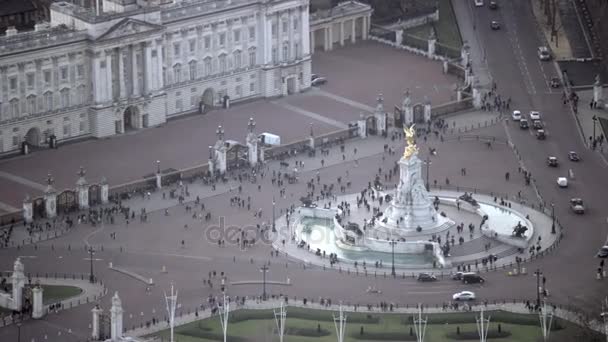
11, 31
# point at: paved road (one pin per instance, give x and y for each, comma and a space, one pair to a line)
520, 75
570, 271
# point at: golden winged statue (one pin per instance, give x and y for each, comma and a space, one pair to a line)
410, 138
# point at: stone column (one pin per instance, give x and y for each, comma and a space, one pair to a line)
353, 32
134, 68
50, 198
82, 188
342, 33
268, 39
95, 331
598, 91
18, 282
104, 191
252, 144
122, 83
427, 110
28, 209
331, 37
311, 138
464, 54
211, 162
365, 27
431, 47
399, 37
148, 85
38, 304
159, 179
116, 318
459, 94
159, 65
108, 78
362, 126
97, 82
308, 42
476, 97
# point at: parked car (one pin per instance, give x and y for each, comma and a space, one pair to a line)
516, 115
472, 278
562, 182
552, 161
573, 156
555, 82
603, 252
478, 3
540, 134
426, 277
493, 5
523, 124
495, 25
537, 124
534, 115
576, 204
464, 295
543, 53
316, 80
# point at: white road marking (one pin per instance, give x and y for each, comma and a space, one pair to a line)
27, 256
94, 259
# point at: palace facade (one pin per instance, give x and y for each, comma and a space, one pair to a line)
132, 64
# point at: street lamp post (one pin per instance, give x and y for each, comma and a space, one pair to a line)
91, 275
538, 274
393, 242
274, 227
264, 269
552, 218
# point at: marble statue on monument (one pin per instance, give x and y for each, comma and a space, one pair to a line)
411, 207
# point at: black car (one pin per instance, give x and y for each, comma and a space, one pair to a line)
493, 5
472, 278
426, 277
495, 25
523, 124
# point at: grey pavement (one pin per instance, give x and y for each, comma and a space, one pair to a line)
465, 16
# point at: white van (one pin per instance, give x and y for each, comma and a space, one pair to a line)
478, 3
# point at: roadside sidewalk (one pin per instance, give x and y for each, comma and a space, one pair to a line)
465, 16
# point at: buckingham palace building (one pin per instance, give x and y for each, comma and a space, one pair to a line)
120, 65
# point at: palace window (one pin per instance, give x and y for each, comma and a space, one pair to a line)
237, 59
274, 55
64, 73
65, 97
207, 42
30, 80
192, 45
13, 83
252, 33
14, 105
222, 39
47, 78
177, 73
295, 24
176, 49
208, 66
31, 104
48, 101
192, 67
285, 26
237, 36
252, 57
82, 97
285, 51
80, 71
222, 60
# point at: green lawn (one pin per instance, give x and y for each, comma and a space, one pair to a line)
447, 30
302, 325
56, 293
